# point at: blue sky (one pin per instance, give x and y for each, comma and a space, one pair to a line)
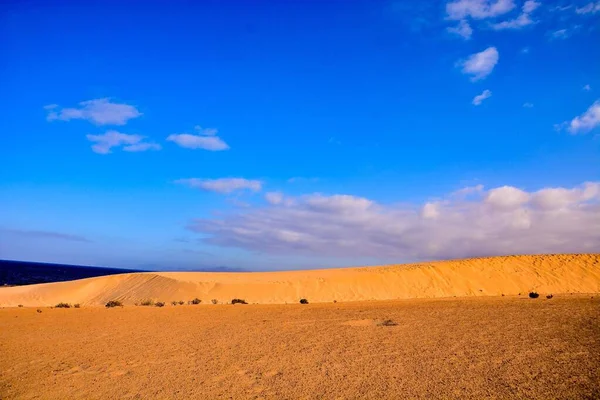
279, 135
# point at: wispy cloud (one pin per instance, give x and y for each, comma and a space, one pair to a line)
503, 220
527, 105
590, 8
585, 122
98, 111
274, 197
522, 20
587, 88
559, 34
478, 9
222, 185
46, 235
205, 139
463, 29
480, 65
479, 98
103, 144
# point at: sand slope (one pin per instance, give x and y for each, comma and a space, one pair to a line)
562, 273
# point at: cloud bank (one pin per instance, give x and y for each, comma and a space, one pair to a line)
466, 223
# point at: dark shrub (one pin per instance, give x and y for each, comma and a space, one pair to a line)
534, 295
147, 303
114, 303
173, 303
303, 301
196, 301
387, 322
238, 301
335, 301
549, 296
63, 305
20, 305
39, 311
181, 302
159, 304
77, 305
214, 301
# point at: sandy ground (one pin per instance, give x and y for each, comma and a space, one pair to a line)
485, 347
563, 273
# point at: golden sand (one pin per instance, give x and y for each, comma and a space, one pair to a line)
494, 276
510, 347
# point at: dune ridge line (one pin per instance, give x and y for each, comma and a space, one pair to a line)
489, 276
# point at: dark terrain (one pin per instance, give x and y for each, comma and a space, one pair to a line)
14, 273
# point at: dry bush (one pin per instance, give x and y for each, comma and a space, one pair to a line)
387, 322
196, 301
20, 305
63, 305
114, 303
39, 311
174, 303
77, 305
238, 301
159, 304
214, 301
303, 301
147, 303
181, 302
551, 296
533, 295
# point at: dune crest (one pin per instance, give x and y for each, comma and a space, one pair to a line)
491, 276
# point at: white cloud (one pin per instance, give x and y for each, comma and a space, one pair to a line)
478, 9
560, 34
522, 20
111, 139
206, 139
481, 97
529, 6
527, 105
590, 8
463, 29
506, 197
467, 191
503, 220
98, 111
587, 88
586, 121
561, 8
480, 65
222, 185
430, 211
141, 147
274, 198
561, 198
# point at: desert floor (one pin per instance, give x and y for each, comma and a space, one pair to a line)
485, 347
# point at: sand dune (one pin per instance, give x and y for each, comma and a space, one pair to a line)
511, 275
